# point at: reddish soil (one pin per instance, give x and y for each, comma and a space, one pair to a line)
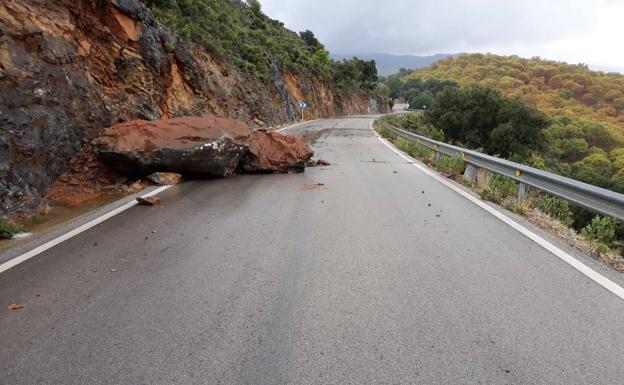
88, 179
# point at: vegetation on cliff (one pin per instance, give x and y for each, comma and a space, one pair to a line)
242, 34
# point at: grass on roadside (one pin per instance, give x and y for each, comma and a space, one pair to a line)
8, 228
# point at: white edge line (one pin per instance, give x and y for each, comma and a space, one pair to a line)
72, 233
296, 124
94, 222
567, 258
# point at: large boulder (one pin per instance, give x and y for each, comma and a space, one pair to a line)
274, 152
204, 146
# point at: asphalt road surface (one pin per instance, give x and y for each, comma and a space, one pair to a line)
382, 275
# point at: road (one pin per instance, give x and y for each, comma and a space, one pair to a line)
382, 275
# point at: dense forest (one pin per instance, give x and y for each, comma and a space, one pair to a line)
243, 35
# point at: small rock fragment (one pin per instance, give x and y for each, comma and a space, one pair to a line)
318, 162
165, 178
134, 187
16, 306
148, 201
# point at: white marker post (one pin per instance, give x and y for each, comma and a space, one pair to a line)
302, 105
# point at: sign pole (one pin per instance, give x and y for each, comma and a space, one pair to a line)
302, 105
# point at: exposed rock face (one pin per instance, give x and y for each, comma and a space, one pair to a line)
206, 146
71, 67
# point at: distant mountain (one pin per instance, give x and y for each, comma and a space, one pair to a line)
388, 64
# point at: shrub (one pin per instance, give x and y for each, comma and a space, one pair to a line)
385, 132
451, 164
8, 229
554, 207
415, 123
600, 230
499, 189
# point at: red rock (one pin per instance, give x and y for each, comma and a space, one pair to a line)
272, 151
192, 145
198, 146
165, 178
148, 201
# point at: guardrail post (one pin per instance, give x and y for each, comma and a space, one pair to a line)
470, 174
436, 156
523, 188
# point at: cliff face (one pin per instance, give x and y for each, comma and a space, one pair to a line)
71, 67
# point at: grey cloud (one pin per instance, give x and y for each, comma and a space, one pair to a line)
430, 26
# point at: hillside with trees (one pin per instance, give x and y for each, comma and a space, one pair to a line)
582, 135
556, 88
244, 36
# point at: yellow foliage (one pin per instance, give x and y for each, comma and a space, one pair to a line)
554, 87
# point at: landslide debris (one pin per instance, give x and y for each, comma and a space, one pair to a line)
205, 146
69, 68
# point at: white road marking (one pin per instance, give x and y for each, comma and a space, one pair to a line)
40, 249
46, 246
575, 263
295, 125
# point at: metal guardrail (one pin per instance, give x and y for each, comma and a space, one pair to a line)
599, 200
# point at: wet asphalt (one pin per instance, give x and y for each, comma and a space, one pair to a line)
380, 275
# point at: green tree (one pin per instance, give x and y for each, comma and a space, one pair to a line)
311, 41
594, 169
420, 101
479, 117
467, 115
520, 130
394, 84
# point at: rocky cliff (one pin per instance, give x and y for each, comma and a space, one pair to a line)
71, 67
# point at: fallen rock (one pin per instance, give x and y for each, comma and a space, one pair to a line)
317, 163
136, 187
191, 145
148, 201
202, 146
165, 178
272, 151
15, 306
314, 186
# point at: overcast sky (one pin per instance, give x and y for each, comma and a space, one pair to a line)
588, 31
